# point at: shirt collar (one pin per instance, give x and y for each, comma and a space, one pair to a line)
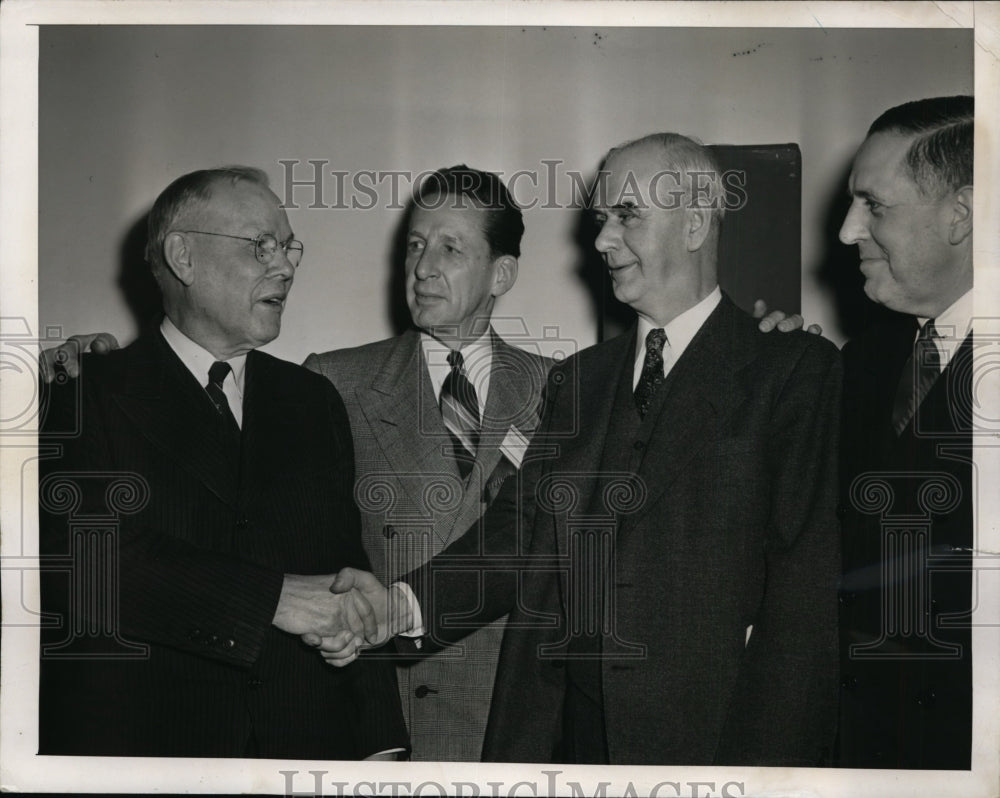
477, 356
198, 360
680, 330
956, 320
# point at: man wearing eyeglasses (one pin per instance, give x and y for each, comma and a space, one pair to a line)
241, 472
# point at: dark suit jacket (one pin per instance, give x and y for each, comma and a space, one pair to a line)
198, 567
719, 516
414, 502
906, 698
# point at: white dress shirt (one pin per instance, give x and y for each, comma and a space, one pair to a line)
952, 325
680, 331
199, 360
478, 359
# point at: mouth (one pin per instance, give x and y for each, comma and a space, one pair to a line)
869, 262
618, 269
277, 302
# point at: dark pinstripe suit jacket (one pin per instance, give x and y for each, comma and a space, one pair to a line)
199, 569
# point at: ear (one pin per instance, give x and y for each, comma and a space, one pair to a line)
961, 223
177, 254
698, 225
505, 274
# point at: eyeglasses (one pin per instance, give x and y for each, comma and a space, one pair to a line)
265, 246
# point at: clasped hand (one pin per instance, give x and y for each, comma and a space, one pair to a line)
341, 616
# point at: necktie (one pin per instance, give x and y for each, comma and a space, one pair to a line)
921, 370
216, 376
460, 410
652, 371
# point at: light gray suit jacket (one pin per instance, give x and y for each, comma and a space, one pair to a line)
414, 502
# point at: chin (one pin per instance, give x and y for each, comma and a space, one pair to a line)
266, 336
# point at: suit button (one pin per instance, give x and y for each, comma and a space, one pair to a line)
212, 640
849, 682
253, 684
639, 445
841, 512
423, 691
242, 523
846, 599
388, 531
927, 698
229, 643
195, 634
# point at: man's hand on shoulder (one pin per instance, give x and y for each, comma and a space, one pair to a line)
67, 355
778, 319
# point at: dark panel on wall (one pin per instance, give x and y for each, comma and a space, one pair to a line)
760, 248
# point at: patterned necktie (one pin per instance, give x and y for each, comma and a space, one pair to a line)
920, 372
652, 371
216, 376
460, 410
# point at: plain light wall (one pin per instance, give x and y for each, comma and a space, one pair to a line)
125, 110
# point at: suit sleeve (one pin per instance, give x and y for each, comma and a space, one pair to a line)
783, 710
476, 579
167, 591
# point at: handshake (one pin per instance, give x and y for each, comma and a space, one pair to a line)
343, 615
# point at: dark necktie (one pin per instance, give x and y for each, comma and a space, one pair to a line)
921, 370
460, 410
652, 371
216, 376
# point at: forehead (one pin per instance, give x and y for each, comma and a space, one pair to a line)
450, 215
248, 205
631, 172
880, 166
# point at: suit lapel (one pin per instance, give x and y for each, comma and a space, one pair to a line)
512, 401
946, 409
701, 392
168, 406
403, 416
272, 424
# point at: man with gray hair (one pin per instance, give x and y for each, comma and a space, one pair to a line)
673, 526
223, 478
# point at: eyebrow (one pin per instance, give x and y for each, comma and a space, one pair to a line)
623, 206
862, 193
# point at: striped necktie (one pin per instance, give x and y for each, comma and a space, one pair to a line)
460, 411
919, 374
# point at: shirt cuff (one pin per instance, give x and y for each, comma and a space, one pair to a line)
417, 625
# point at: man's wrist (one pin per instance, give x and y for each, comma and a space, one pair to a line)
404, 611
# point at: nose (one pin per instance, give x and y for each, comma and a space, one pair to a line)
855, 226
424, 265
281, 267
608, 236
